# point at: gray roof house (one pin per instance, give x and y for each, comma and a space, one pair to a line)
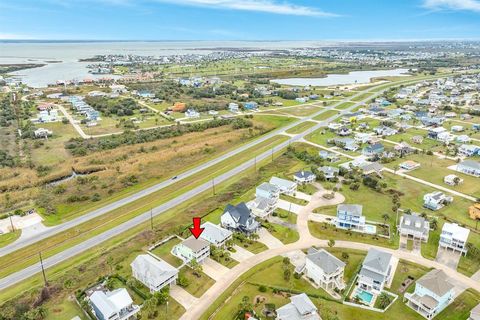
376, 271
414, 226
113, 305
329, 172
433, 293
304, 176
470, 167
285, 186
475, 313
299, 308
215, 234
153, 273
324, 269
192, 249
239, 218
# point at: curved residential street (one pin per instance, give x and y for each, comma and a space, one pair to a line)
306, 241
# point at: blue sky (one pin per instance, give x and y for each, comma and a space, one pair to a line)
240, 19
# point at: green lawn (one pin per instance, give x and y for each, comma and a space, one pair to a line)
197, 285
300, 202
403, 271
301, 127
163, 252
282, 233
252, 246
460, 308
10, 237
327, 114
345, 105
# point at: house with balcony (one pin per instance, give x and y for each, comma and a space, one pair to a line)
414, 226
329, 172
215, 235
469, 150
239, 218
452, 180
154, 273
233, 107
454, 237
113, 305
286, 186
432, 294
192, 249
324, 269
376, 271
349, 216
436, 200
299, 308
470, 167
304, 177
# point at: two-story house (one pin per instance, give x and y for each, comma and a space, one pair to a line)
436, 200
414, 226
216, 235
324, 269
113, 305
155, 274
349, 216
376, 271
286, 186
266, 200
239, 218
454, 237
432, 294
304, 177
329, 172
192, 249
299, 308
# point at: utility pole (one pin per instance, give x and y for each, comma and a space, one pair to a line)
213, 185
43, 270
255, 163
11, 222
272, 153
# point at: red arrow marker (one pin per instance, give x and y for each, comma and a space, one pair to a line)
196, 230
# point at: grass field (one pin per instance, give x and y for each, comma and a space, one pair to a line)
163, 252
301, 127
284, 234
327, 114
198, 284
10, 237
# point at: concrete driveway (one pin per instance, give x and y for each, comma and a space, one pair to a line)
297, 258
241, 254
448, 258
303, 196
268, 239
182, 297
213, 269
286, 205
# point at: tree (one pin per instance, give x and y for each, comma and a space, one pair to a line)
149, 308
196, 267
384, 300
331, 243
287, 273
345, 255
245, 304
385, 217
162, 295
433, 224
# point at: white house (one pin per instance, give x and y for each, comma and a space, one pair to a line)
239, 218
299, 308
191, 113
432, 294
286, 186
153, 273
42, 133
454, 237
349, 216
436, 200
304, 177
414, 226
113, 305
452, 180
376, 271
457, 128
324, 269
192, 249
463, 138
329, 172
470, 167
469, 150
233, 107
216, 235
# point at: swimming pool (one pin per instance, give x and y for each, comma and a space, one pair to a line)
364, 296
371, 229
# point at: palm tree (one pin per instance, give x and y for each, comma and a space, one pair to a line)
385, 217
331, 243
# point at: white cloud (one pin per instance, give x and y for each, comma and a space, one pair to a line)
269, 6
469, 5
13, 36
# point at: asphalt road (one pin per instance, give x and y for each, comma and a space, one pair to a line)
92, 242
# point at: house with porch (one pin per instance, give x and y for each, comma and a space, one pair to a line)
215, 235
414, 226
470, 167
329, 172
349, 216
192, 249
324, 269
113, 305
304, 177
286, 186
436, 200
239, 218
432, 294
469, 150
299, 308
454, 237
154, 273
376, 271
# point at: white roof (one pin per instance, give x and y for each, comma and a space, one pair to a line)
111, 302
156, 270
214, 232
457, 232
282, 182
